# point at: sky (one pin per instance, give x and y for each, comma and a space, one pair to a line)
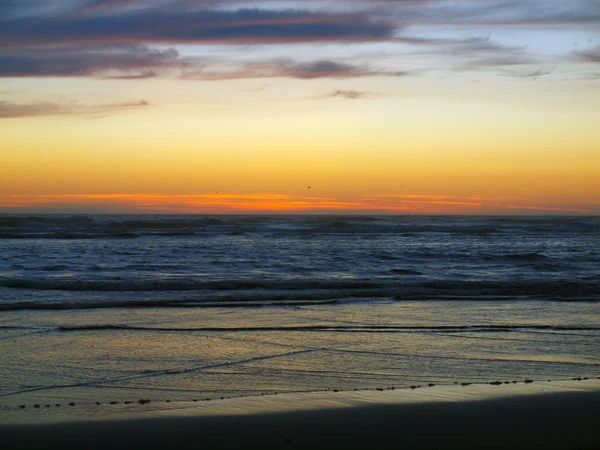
300, 106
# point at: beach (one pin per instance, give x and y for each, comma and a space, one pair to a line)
369, 224
559, 414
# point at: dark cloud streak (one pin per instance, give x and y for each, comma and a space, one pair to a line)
156, 26
112, 61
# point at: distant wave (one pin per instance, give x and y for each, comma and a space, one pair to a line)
398, 271
89, 227
525, 256
517, 257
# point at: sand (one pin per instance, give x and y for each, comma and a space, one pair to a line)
535, 415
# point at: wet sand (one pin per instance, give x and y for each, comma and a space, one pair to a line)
534, 415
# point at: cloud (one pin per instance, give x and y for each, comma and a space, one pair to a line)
115, 38
475, 47
480, 53
497, 61
12, 110
410, 12
537, 73
349, 94
135, 76
127, 105
288, 69
488, 12
111, 39
470, 45
116, 61
591, 55
240, 26
9, 110
322, 68
104, 6
135, 62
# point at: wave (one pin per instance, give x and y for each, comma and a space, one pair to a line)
89, 227
319, 294
527, 257
446, 287
378, 287
550, 267
50, 268
180, 285
405, 272
247, 301
340, 328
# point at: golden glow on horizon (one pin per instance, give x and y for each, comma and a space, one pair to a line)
462, 155
271, 203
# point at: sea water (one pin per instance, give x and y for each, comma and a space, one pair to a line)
111, 308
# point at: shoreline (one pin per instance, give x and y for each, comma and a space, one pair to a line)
558, 414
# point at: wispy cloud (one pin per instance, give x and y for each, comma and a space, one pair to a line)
537, 73
349, 94
9, 110
289, 69
103, 6
489, 12
135, 76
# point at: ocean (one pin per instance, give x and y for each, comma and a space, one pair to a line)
117, 308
